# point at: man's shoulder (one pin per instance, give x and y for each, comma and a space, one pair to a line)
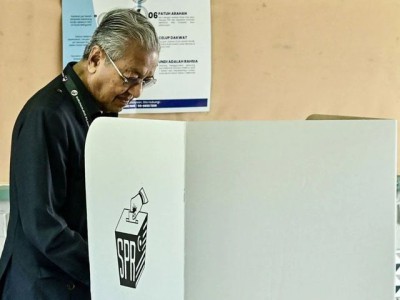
49, 105
52, 97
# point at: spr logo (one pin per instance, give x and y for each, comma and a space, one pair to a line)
130, 238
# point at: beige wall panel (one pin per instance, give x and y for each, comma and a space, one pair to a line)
30, 51
277, 59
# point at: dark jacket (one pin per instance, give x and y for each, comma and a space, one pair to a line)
46, 252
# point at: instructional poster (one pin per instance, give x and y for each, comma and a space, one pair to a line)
184, 30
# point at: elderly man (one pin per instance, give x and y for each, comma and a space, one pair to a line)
46, 251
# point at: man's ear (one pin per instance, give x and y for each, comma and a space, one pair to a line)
94, 59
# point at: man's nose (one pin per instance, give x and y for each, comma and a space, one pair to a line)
136, 90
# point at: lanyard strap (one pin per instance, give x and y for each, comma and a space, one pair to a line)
73, 91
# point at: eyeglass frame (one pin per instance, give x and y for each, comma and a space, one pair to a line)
130, 81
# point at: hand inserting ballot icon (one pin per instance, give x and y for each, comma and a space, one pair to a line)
137, 202
131, 240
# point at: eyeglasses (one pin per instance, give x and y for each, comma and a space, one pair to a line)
130, 81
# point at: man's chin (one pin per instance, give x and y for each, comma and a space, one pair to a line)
118, 107
113, 109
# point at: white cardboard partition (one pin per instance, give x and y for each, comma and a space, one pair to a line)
241, 210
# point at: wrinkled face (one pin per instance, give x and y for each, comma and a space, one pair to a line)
108, 87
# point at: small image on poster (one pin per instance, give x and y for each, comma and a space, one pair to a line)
184, 31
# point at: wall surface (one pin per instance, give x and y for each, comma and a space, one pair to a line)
272, 60
30, 51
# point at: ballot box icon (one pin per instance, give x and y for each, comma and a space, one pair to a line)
131, 238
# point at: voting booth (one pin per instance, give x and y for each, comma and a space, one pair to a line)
239, 210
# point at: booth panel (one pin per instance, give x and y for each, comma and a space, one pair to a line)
135, 204
290, 210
